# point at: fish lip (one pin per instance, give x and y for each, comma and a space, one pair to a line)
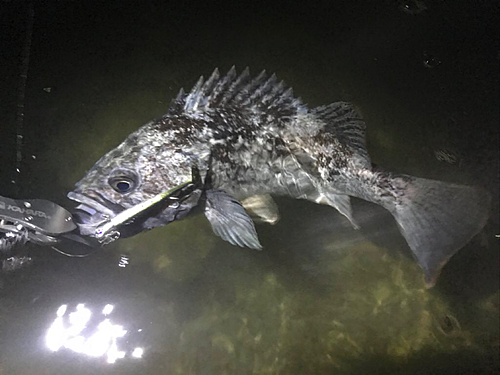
90, 202
90, 213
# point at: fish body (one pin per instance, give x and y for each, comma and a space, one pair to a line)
239, 138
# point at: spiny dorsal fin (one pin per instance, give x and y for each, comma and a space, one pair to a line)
276, 91
177, 104
243, 97
232, 90
262, 90
235, 87
221, 86
193, 99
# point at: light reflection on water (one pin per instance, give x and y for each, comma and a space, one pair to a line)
124, 261
73, 331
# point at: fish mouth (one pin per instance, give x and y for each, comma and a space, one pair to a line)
91, 212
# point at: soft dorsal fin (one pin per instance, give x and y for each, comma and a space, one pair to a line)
345, 122
262, 92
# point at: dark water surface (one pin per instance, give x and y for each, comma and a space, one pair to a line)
321, 298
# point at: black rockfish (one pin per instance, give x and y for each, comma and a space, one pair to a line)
238, 137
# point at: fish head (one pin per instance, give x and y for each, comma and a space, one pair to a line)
140, 168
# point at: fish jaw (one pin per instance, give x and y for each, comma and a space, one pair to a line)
90, 213
93, 211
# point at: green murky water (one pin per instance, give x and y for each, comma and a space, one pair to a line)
321, 298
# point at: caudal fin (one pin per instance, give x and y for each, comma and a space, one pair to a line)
437, 219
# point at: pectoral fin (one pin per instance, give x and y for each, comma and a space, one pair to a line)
229, 220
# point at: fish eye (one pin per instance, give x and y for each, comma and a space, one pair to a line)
122, 184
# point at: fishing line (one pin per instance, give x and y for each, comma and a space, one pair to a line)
73, 255
21, 92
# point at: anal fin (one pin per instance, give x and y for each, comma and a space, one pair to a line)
340, 202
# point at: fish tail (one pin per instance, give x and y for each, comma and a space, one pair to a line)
436, 218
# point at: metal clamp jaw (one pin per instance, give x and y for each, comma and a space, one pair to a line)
46, 223
36, 220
